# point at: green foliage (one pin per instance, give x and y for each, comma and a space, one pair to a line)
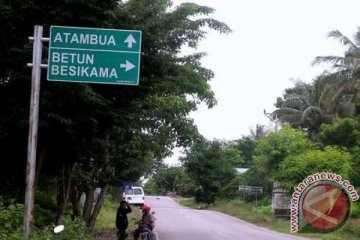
296, 168
355, 166
272, 149
170, 179
300, 107
258, 132
11, 223
344, 133
73, 229
151, 188
211, 165
247, 147
355, 210
11, 220
137, 126
263, 210
252, 177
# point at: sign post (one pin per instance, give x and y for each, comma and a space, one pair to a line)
94, 55
33, 129
85, 55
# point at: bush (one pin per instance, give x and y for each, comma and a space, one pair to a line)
11, 223
74, 230
264, 210
355, 210
11, 220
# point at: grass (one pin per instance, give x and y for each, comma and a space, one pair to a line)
262, 216
106, 218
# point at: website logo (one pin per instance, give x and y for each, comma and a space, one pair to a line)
321, 202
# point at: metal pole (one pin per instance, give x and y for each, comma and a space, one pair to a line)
33, 130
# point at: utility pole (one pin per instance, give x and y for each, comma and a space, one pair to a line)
273, 118
33, 128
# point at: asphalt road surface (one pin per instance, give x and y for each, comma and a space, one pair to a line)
174, 222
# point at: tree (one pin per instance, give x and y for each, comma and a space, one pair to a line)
211, 165
171, 179
246, 145
341, 85
94, 135
300, 107
344, 133
252, 177
274, 148
258, 132
295, 168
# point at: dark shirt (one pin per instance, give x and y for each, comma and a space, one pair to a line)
121, 218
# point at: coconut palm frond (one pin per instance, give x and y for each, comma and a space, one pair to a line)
342, 38
357, 37
344, 74
340, 74
324, 99
342, 91
296, 99
282, 111
258, 132
293, 119
311, 112
355, 51
339, 67
329, 59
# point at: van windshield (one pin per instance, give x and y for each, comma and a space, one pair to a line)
128, 191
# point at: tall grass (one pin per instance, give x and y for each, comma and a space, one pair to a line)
106, 218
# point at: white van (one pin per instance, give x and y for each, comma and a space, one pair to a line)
134, 195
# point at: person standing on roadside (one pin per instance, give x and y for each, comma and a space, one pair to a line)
122, 220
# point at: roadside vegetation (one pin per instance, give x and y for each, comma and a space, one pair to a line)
261, 215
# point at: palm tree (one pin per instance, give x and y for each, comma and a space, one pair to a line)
300, 107
340, 86
258, 132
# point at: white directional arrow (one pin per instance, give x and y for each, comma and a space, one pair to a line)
127, 65
130, 40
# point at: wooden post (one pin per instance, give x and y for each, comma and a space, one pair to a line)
33, 130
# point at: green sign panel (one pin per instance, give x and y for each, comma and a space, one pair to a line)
94, 55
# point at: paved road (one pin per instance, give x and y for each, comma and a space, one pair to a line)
174, 222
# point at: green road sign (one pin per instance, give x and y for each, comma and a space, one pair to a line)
94, 55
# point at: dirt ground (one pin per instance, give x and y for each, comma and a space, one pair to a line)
109, 234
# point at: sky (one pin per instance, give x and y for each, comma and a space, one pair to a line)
273, 42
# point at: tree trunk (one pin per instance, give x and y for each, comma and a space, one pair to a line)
75, 196
64, 186
97, 208
90, 214
88, 205
91, 221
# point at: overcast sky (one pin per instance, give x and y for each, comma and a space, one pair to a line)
272, 42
